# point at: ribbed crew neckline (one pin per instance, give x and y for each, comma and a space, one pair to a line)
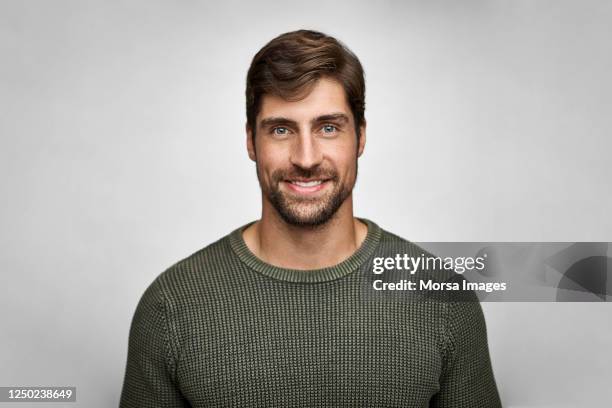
330, 273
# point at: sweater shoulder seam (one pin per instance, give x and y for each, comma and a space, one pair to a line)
171, 336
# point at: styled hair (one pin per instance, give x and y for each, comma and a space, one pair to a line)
291, 64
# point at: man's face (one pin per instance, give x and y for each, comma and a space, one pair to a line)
306, 153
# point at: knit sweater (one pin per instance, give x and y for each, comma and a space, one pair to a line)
222, 328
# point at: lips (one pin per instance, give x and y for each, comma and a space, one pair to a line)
310, 183
307, 186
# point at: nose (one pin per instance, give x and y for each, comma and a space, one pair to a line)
306, 152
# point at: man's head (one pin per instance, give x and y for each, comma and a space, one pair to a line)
305, 124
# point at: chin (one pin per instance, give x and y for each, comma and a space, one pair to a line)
307, 218
305, 221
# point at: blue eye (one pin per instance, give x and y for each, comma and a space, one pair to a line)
329, 128
280, 130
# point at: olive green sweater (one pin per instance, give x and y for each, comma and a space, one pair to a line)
222, 328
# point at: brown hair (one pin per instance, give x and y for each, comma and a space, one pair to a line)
290, 64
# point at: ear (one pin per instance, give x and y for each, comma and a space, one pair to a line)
362, 138
250, 143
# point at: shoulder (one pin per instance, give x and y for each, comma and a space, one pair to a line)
197, 276
197, 265
392, 245
434, 274
459, 307
392, 241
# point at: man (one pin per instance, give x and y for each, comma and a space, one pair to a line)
280, 312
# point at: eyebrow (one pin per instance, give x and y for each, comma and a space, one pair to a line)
279, 120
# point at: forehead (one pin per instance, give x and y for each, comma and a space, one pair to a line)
326, 96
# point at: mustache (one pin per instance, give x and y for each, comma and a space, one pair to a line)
316, 173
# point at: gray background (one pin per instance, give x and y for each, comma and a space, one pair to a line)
122, 151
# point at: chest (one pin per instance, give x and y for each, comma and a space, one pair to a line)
326, 355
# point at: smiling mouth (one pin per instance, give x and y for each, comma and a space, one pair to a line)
307, 186
309, 183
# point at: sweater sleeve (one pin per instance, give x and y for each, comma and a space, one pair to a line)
467, 376
149, 376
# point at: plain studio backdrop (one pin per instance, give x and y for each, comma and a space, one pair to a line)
123, 150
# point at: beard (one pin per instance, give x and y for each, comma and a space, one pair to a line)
307, 211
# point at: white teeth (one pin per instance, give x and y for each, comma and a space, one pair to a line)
307, 184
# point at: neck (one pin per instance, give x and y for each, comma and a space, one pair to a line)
296, 247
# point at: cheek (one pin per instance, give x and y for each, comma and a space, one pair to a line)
270, 161
343, 154
346, 163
